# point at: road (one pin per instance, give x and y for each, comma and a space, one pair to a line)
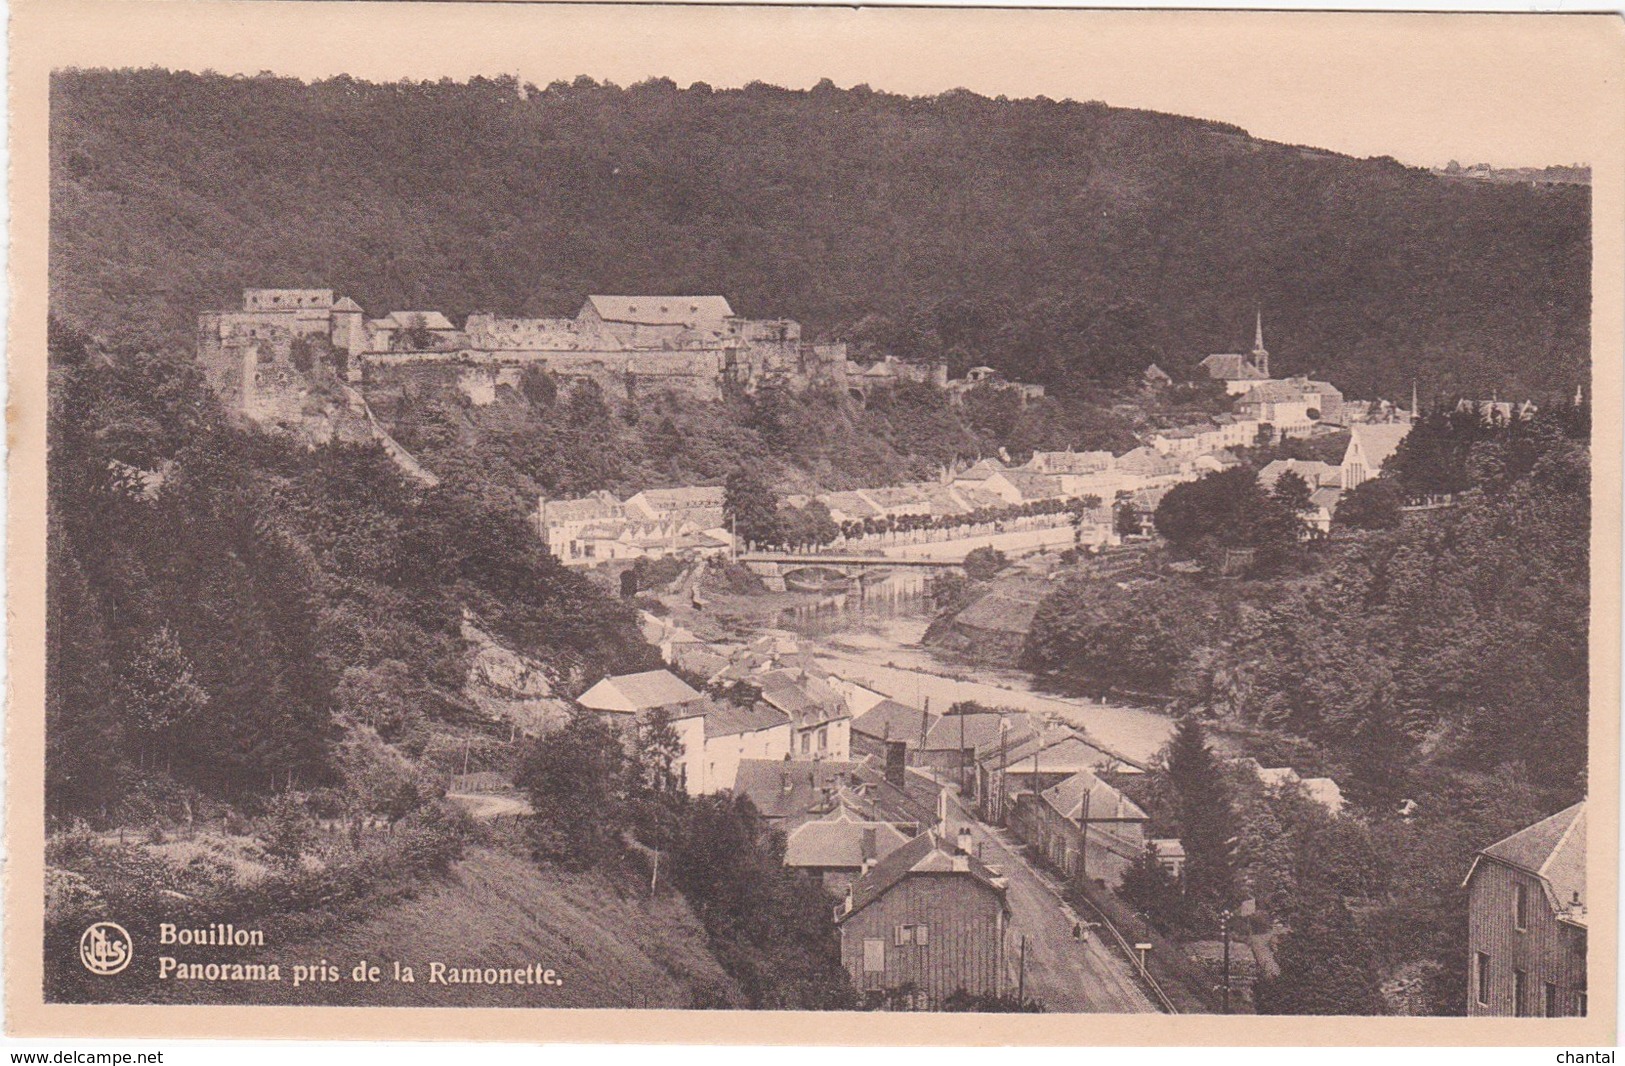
1065, 975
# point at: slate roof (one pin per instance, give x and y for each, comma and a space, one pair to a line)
785, 788
889, 719
1273, 392
1327, 498
661, 310
683, 499
1105, 802
1315, 474
840, 840
644, 691
598, 505
979, 729
1067, 753
928, 854
1554, 850
1071, 462
1032, 485
729, 719
1227, 366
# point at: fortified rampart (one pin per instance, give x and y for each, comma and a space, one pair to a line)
268, 359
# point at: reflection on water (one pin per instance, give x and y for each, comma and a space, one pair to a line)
894, 594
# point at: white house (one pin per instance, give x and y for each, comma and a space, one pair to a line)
1370, 446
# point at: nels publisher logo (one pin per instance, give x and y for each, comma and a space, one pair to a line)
105, 948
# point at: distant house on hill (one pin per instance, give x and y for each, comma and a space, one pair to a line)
925, 922
1240, 373
701, 505
1322, 790
1371, 445
1526, 921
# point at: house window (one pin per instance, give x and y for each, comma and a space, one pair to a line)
1549, 1008
1520, 908
806, 743
1520, 989
874, 956
1482, 965
1580, 1003
911, 934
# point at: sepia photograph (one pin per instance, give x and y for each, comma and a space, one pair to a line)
658, 509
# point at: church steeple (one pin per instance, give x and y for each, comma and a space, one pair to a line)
1261, 358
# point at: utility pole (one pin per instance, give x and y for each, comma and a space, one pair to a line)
961, 756
1021, 974
1083, 848
1224, 931
1004, 767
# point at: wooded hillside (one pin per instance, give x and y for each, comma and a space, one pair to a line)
1063, 242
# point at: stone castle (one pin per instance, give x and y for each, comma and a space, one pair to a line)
288, 352
268, 358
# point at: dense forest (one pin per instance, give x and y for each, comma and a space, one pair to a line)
1067, 243
1453, 637
231, 614
564, 441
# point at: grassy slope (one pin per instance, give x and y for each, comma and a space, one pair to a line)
498, 909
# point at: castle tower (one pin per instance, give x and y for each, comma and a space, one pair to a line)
1261, 358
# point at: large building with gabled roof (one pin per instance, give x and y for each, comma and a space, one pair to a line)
926, 921
1526, 921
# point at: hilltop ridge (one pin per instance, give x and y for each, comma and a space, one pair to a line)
1065, 243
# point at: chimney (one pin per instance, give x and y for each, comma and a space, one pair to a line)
847, 909
961, 864
896, 762
964, 842
869, 847
784, 779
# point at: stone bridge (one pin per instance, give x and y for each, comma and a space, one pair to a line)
813, 572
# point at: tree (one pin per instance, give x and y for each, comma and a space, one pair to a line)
659, 749
1126, 519
576, 781
1328, 965
1373, 504
1206, 823
751, 507
1292, 492
159, 694
1228, 509
1148, 887
982, 564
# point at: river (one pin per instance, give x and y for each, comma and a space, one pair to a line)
872, 635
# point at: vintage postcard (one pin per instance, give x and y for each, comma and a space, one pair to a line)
813, 524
